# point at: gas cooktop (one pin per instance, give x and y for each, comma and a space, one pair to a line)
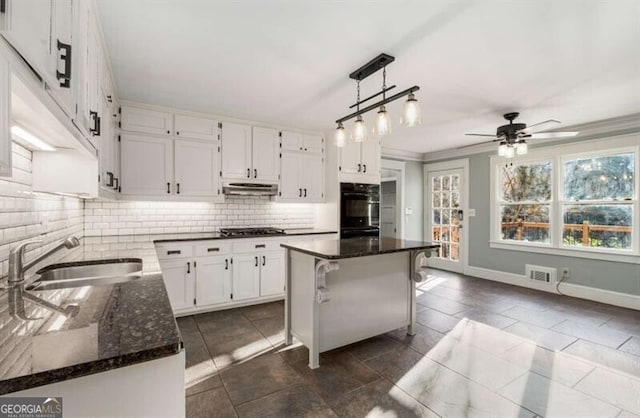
249, 232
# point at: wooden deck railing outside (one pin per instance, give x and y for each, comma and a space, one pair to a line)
585, 226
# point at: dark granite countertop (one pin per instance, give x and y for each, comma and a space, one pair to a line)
357, 247
204, 236
67, 333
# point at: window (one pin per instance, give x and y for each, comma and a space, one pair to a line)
597, 208
577, 199
525, 202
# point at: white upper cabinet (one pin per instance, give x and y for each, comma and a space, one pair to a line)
63, 47
265, 154
291, 165
292, 141
136, 119
371, 158
312, 177
236, 149
360, 162
302, 177
146, 165
5, 117
350, 158
313, 144
197, 168
197, 128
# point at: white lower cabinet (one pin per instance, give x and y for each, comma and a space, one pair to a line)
246, 277
271, 273
178, 278
213, 280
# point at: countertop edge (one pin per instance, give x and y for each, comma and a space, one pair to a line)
214, 238
366, 254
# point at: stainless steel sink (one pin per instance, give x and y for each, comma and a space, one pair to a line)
87, 273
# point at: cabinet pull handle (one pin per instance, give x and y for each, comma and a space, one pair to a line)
359, 167
168, 131
177, 188
94, 118
305, 192
117, 183
211, 250
177, 132
255, 173
256, 261
365, 168
264, 260
171, 252
299, 192
226, 264
260, 245
111, 179
3, 6
188, 267
65, 77
168, 187
248, 173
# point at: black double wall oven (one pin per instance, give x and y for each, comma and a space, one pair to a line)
359, 210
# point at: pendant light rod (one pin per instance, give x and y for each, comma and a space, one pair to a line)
372, 96
380, 103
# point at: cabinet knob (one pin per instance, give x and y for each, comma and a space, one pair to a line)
168, 131
177, 132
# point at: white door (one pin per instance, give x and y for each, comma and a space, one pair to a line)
148, 121
312, 177
146, 165
196, 128
236, 151
178, 278
350, 158
246, 276
197, 168
313, 144
388, 209
290, 176
444, 213
291, 141
213, 280
271, 273
265, 154
371, 158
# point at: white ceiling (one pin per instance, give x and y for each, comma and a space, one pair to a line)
287, 62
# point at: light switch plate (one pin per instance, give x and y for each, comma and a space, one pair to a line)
408, 211
472, 212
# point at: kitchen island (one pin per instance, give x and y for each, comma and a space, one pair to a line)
342, 291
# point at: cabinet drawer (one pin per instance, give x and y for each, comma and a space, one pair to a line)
212, 249
169, 251
253, 246
148, 121
197, 128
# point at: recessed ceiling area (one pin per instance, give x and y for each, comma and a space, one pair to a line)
287, 63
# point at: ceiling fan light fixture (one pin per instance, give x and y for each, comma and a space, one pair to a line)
502, 148
383, 122
340, 136
509, 152
359, 133
411, 113
521, 147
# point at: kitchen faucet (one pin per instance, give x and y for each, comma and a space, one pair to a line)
16, 257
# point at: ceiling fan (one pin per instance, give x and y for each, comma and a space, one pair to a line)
513, 136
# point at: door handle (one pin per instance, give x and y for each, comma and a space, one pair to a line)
188, 267
364, 168
255, 173
177, 188
256, 261
226, 264
264, 260
65, 77
248, 173
299, 192
359, 168
305, 192
168, 187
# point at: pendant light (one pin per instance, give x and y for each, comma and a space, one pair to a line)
341, 136
359, 133
383, 121
411, 112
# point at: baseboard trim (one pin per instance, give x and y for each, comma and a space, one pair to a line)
609, 297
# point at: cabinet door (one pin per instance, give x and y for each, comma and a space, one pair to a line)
27, 26
179, 280
136, 119
290, 187
213, 280
246, 276
63, 50
291, 141
94, 62
146, 165
5, 117
266, 154
371, 158
236, 151
271, 273
350, 158
106, 149
197, 168
82, 17
196, 128
313, 144
312, 170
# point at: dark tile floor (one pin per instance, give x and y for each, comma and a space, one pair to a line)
482, 348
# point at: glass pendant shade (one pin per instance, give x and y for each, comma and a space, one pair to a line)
340, 136
502, 149
521, 148
359, 133
509, 152
411, 112
383, 123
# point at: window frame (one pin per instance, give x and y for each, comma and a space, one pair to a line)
557, 155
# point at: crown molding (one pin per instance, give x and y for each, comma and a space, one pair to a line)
399, 154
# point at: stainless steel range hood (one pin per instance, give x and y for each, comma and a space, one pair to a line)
250, 189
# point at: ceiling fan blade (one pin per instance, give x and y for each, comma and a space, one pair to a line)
479, 143
485, 135
537, 127
548, 135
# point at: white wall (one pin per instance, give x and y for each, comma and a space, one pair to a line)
414, 200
